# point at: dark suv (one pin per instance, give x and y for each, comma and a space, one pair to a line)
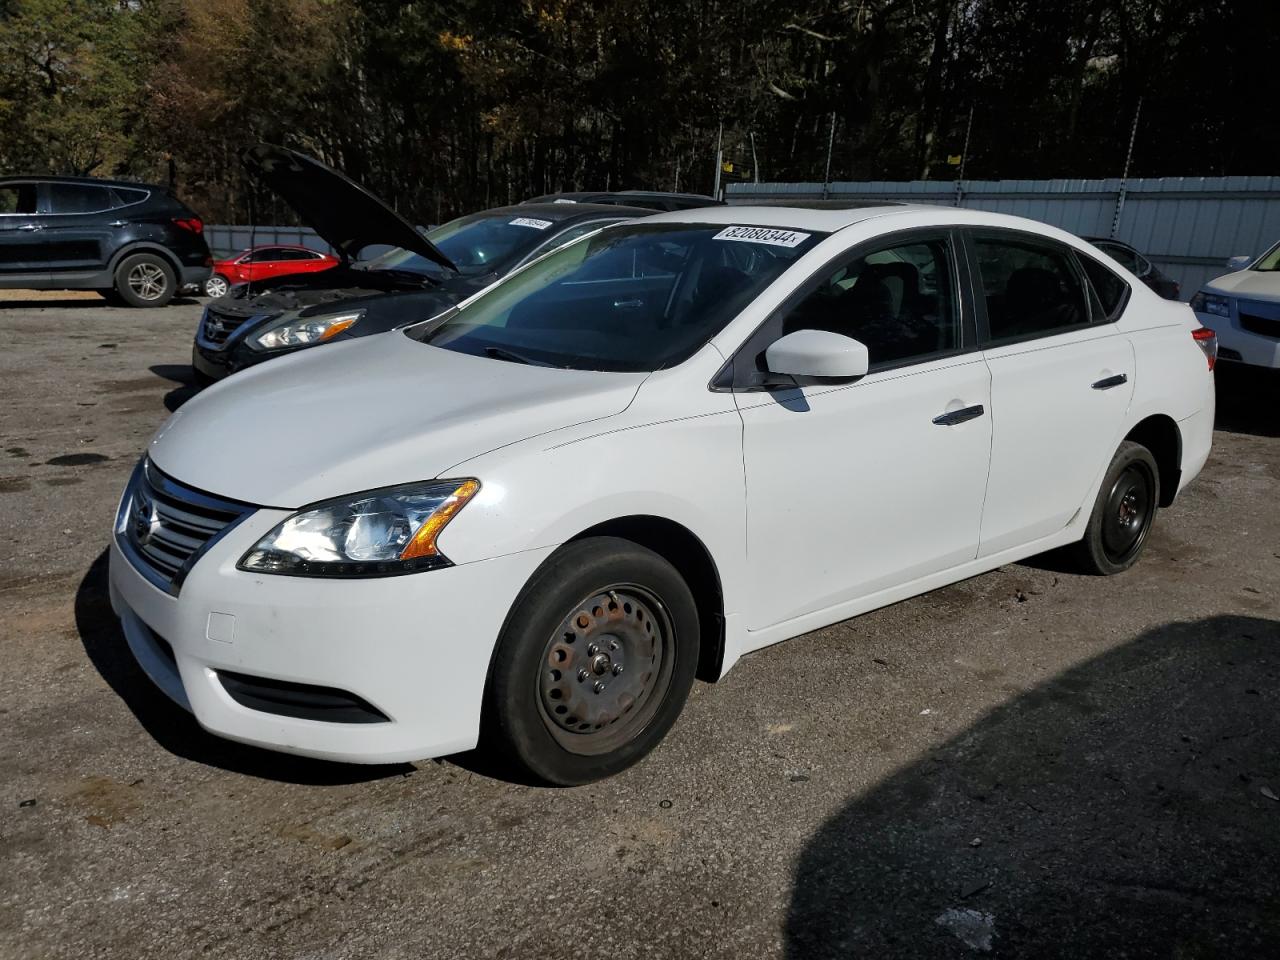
134, 243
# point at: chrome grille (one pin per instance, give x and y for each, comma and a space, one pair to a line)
216, 326
164, 526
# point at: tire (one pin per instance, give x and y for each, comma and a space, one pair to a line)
216, 286
549, 708
145, 280
1122, 514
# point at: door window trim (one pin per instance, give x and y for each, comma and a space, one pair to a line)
741, 369
971, 236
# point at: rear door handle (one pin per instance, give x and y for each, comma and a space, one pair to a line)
1106, 383
118, 223
31, 227
628, 304
959, 416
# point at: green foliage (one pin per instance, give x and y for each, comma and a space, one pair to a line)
444, 107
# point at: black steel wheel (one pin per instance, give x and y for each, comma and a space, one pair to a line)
1122, 514
594, 664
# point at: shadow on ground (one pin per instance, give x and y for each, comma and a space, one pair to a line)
171, 726
1247, 400
184, 376
1117, 810
83, 302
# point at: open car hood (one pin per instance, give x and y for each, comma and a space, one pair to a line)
344, 213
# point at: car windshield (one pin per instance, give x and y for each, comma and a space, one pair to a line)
1269, 261
635, 297
477, 244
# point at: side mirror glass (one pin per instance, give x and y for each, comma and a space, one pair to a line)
1239, 262
817, 353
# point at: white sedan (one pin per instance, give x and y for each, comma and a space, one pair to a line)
1244, 309
531, 522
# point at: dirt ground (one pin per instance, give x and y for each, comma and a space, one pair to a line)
1031, 763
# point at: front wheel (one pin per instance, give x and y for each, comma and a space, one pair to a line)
1122, 514
594, 664
216, 286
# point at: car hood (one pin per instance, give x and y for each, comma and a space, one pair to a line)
370, 413
1254, 284
342, 288
344, 213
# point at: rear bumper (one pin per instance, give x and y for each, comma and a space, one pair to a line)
414, 648
1197, 440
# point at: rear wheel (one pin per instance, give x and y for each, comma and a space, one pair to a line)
1122, 514
594, 664
146, 280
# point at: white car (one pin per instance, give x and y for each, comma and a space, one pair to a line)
1244, 309
531, 521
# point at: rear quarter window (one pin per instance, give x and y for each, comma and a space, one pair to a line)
1110, 291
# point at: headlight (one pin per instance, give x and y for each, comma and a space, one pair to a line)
376, 534
1211, 303
299, 331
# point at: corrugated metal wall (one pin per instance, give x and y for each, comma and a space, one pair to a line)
1187, 226
224, 239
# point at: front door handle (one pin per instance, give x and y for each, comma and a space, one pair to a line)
1106, 383
118, 223
31, 227
959, 416
628, 304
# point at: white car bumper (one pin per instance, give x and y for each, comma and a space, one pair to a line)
414, 648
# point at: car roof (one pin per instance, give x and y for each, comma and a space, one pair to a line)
830, 219
570, 211
91, 181
613, 197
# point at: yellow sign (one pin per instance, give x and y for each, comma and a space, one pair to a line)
953, 160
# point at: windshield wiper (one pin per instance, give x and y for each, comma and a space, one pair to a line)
502, 353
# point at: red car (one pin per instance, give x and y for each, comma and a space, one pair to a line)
263, 263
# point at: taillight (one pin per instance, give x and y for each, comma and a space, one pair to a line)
193, 224
1207, 341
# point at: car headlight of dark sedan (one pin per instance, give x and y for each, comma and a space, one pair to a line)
301, 331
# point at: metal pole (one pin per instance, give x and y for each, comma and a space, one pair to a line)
719, 161
831, 142
755, 162
964, 158
1124, 177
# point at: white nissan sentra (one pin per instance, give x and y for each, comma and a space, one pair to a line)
532, 521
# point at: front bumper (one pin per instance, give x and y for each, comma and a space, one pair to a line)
1240, 345
416, 647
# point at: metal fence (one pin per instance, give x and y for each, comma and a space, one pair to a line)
1187, 226
224, 239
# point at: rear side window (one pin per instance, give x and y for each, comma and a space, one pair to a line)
1031, 288
18, 198
1111, 292
78, 198
127, 195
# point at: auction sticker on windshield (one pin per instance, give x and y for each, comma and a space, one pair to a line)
530, 222
776, 238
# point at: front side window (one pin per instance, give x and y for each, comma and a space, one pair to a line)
264, 255
79, 198
1031, 288
636, 297
18, 198
899, 301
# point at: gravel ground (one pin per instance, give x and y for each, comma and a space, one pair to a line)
1030, 763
